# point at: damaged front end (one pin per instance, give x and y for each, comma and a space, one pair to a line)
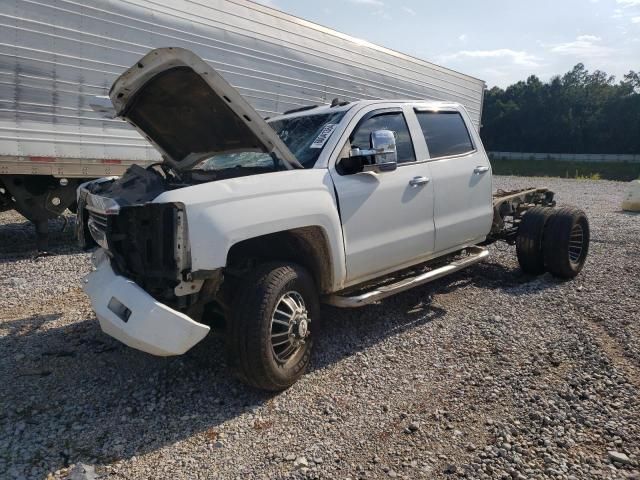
128, 313
192, 116
146, 242
141, 288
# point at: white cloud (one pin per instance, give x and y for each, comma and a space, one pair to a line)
635, 20
588, 38
463, 37
518, 57
582, 46
410, 11
629, 3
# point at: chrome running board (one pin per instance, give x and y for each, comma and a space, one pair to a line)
475, 255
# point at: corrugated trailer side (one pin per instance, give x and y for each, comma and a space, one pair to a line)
56, 56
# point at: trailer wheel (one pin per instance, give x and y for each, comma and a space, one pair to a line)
529, 240
566, 242
274, 318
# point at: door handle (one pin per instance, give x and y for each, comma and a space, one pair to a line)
417, 181
480, 169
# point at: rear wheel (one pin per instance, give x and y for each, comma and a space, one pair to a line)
273, 316
529, 240
566, 242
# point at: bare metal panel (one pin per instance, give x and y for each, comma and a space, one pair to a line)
56, 54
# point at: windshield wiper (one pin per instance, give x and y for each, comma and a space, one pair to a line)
300, 109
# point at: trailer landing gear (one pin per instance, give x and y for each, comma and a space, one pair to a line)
38, 198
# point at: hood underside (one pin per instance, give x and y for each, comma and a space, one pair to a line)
189, 112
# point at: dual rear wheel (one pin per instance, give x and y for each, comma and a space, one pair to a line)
553, 240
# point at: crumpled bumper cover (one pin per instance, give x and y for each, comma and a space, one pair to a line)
129, 314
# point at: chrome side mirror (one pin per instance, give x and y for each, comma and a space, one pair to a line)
383, 152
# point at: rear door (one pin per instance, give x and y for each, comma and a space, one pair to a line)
461, 175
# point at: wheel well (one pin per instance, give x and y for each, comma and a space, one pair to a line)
510, 207
306, 246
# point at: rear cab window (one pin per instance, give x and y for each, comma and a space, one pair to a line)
445, 132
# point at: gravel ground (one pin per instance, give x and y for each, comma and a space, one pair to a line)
485, 374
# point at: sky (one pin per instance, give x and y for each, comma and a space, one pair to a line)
499, 41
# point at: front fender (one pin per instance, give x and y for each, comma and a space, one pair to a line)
223, 213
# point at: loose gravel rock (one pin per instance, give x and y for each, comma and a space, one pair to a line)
486, 374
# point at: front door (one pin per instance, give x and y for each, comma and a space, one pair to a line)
387, 218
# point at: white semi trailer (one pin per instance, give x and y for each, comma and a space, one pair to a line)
56, 57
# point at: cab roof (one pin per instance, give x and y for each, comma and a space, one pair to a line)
321, 109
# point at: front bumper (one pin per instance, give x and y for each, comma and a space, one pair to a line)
129, 314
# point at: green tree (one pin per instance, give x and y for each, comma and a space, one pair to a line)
578, 112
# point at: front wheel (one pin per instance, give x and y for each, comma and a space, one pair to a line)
273, 321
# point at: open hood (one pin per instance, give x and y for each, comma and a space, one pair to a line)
189, 112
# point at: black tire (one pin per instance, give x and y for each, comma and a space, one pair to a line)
250, 352
566, 242
529, 240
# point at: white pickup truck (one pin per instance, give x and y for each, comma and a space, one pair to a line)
247, 225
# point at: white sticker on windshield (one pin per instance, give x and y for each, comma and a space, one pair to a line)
324, 135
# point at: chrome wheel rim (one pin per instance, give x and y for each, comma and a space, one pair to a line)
576, 243
289, 326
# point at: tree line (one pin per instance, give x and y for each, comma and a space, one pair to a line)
578, 112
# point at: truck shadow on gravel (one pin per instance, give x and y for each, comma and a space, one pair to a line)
79, 396
345, 332
19, 237
360, 328
493, 275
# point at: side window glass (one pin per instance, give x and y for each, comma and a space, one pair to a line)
386, 121
445, 133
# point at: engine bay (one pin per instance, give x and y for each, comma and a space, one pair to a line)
140, 185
